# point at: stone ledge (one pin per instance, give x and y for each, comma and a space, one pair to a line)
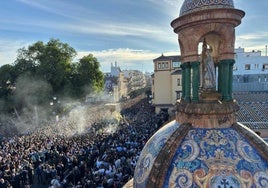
209, 114
207, 108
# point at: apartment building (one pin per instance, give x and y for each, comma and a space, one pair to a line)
166, 83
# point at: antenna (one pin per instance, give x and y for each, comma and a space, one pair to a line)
265, 50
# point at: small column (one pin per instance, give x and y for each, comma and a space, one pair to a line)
231, 63
183, 65
196, 80
186, 81
225, 81
226, 78
220, 73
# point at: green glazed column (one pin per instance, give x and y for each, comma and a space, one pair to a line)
187, 82
220, 73
183, 67
231, 63
226, 77
196, 80
224, 80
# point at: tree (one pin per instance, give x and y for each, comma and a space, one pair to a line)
55, 63
51, 62
28, 59
41, 72
44, 69
89, 78
6, 75
7, 79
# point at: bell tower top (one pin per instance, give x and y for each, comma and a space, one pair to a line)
204, 146
207, 75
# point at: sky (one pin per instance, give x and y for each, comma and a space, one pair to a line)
129, 32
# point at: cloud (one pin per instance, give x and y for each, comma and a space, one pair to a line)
120, 29
125, 54
126, 58
132, 38
168, 7
87, 20
252, 41
253, 36
66, 9
89, 28
8, 50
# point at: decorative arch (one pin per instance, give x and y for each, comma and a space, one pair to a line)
218, 27
213, 39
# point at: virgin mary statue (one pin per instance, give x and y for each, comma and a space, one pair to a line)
209, 74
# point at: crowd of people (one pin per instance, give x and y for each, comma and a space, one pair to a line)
88, 160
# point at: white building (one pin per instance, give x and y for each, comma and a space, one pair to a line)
250, 71
136, 79
250, 63
115, 70
250, 74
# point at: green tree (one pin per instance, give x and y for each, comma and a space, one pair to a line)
7, 78
55, 63
50, 62
6, 75
28, 59
89, 77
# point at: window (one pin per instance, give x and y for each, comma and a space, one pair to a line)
176, 64
166, 65
159, 65
163, 65
246, 78
178, 94
265, 66
178, 82
235, 68
247, 67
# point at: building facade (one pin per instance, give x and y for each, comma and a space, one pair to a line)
136, 79
250, 71
166, 83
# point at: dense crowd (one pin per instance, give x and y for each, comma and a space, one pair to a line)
89, 160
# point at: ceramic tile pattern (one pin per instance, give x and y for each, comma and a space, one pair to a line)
195, 5
205, 158
150, 152
216, 158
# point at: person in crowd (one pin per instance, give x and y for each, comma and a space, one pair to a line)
92, 159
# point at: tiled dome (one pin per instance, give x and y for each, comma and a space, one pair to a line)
203, 158
190, 6
204, 146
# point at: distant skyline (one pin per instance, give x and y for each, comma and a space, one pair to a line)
131, 33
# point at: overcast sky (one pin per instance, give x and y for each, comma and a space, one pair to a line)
131, 32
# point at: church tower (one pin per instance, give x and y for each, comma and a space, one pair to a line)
209, 27
205, 146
